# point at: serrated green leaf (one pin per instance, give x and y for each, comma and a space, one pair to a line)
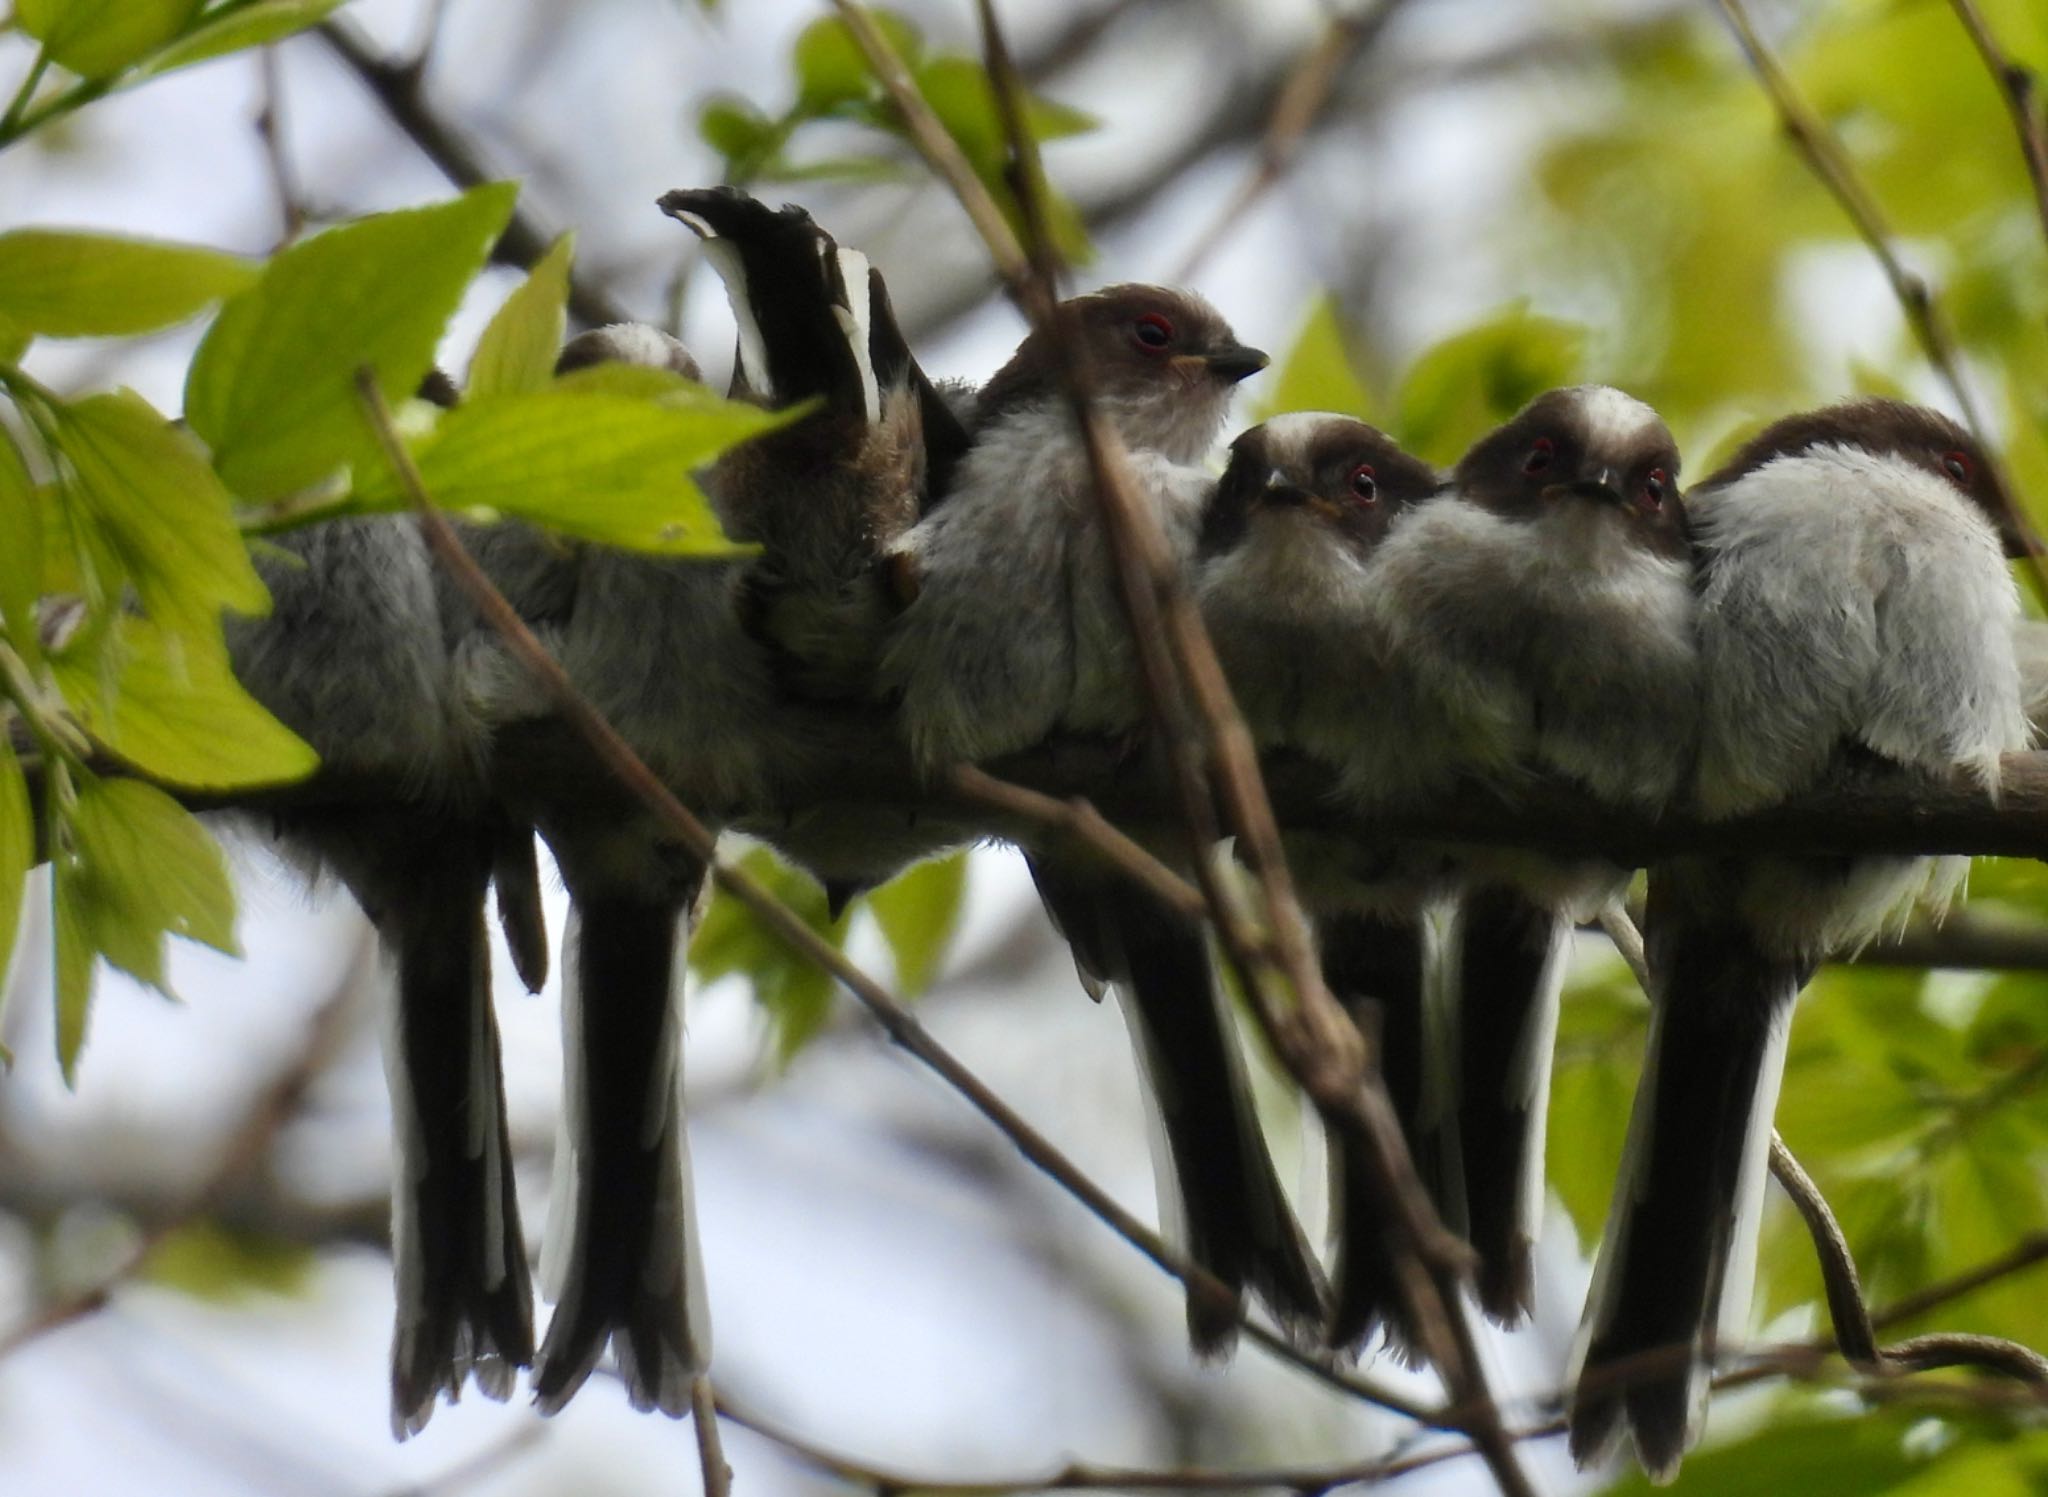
794, 993
72, 284
830, 68
160, 510
209, 1261
1471, 382
21, 558
918, 911
98, 38
272, 388
252, 26
132, 867
604, 467
1317, 374
17, 849
174, 709
517, 351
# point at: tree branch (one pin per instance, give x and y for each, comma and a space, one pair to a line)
2020, 88
396, 86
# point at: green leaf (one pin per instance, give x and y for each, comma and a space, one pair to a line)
160, 510
1599, 1055
252, 26
133, 868
744, 138
601, 466
14, 340
918, 911
830, 68
1317, 374
77, 285
98, 38
17, 848
1471, 382
210, 1261
517, 351
272, 388
176, 711
794, 992
1862, 1454
21, 558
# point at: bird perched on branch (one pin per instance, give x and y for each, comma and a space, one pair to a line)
1285, 575
1012, 630
1538, 613
1853, 607
667, 650
355, 657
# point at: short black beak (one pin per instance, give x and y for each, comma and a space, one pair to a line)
1234, 362
1283, 496
1600, 489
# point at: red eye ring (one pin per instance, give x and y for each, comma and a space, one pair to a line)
1153, 333
1365, 485
1656, 483
1540, 454
1957, 465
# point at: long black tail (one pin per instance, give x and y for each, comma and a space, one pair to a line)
631, 1274
1680, 1251
1375, 967
1508, 966
1235, 1213
465, 1300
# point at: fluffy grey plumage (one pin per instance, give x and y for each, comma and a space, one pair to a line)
354, 658
1853, 603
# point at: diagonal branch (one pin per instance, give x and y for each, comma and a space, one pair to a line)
1824, 155
396, 87
2020, 88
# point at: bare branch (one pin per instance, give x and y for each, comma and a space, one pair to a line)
710, 1449
2020, 88
396, 87
1301, 102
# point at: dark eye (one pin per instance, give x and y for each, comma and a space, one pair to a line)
1539, 455
1957, 465
1365, 483
1152, 332
1655, 486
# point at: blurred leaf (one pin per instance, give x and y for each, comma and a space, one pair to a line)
1814, 1454
17, 848
161, 511
132, 868
517, 351
830, 68
98, 38
1317, 374
251, 26
745, 139
1471, 382
75, 285
14, 340
604, 467
272, 388
21, 521
918, 911
176, 711
211, 1262
794, 993
1601, 1027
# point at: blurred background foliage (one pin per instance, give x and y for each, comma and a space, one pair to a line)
1430, 212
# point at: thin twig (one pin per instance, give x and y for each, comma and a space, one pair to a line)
1302, 100
270, 130
1829, 162
396, 87
2020, 88
783, 923
1077, 818
710, 1449
273, 1107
